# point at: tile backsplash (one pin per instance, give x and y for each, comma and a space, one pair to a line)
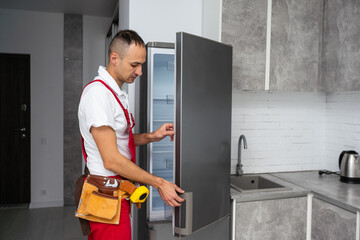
294, 131
342, 125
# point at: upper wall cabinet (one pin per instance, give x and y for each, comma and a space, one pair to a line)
295, 43
341, 46
244, 27
295, 54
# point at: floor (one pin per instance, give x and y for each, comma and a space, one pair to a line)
21, 223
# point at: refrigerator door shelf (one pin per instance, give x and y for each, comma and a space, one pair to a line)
163, 148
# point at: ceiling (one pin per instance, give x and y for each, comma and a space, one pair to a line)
103, 8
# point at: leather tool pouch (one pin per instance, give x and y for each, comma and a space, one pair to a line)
99, 203
85, 226
100, 199
102, 205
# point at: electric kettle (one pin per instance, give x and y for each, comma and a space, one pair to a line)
349, 164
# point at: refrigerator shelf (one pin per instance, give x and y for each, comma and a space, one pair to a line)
164, 120
167, 100
162, 152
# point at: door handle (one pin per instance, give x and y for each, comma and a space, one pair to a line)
188, 196
20, 130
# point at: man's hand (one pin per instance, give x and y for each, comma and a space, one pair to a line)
167, 191
167, 129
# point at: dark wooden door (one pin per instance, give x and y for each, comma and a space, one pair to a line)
14, 128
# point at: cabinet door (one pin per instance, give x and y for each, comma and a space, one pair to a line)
280, 219
244, 27
331, 222
296, 27
341, 46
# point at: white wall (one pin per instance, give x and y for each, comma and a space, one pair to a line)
94, 50
285, 131
41, 35
94, 34
159, 20
124, 13
212, 16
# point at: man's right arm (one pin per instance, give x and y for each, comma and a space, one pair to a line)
114, 161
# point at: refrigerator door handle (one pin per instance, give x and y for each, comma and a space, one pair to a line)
188, 196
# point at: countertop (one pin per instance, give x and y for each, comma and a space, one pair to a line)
325, 187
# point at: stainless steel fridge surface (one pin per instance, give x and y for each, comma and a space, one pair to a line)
197, 89
203, 130
219, 230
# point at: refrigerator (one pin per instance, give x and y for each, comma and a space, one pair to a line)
188, 83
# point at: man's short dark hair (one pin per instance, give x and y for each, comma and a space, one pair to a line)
122, 41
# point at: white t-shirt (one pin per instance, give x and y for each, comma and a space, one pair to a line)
98, 107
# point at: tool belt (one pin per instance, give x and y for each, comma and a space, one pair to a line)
100, 199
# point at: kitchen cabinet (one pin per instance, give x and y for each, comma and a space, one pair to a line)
313, 45
296, 30
332, 222
295, 56
335, 205
244, 27
271, 219
341, 46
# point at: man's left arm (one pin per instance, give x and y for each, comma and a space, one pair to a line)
167, 129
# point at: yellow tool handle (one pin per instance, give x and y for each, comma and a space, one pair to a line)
139, 195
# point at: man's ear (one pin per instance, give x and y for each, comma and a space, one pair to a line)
114, 58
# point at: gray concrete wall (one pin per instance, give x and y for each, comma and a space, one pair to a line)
73, 81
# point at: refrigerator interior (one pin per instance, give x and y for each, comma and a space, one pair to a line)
161, 110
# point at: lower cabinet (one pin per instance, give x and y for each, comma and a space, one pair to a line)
331, 222
280, 219
284, 219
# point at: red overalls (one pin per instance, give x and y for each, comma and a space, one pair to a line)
123, 230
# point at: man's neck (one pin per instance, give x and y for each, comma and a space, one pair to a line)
112, 74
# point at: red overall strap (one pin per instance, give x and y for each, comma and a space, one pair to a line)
83, 149
131, 142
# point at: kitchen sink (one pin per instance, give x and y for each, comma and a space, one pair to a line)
255, 183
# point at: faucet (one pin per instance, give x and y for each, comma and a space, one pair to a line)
239, 170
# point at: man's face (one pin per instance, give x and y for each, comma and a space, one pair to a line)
129, 67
